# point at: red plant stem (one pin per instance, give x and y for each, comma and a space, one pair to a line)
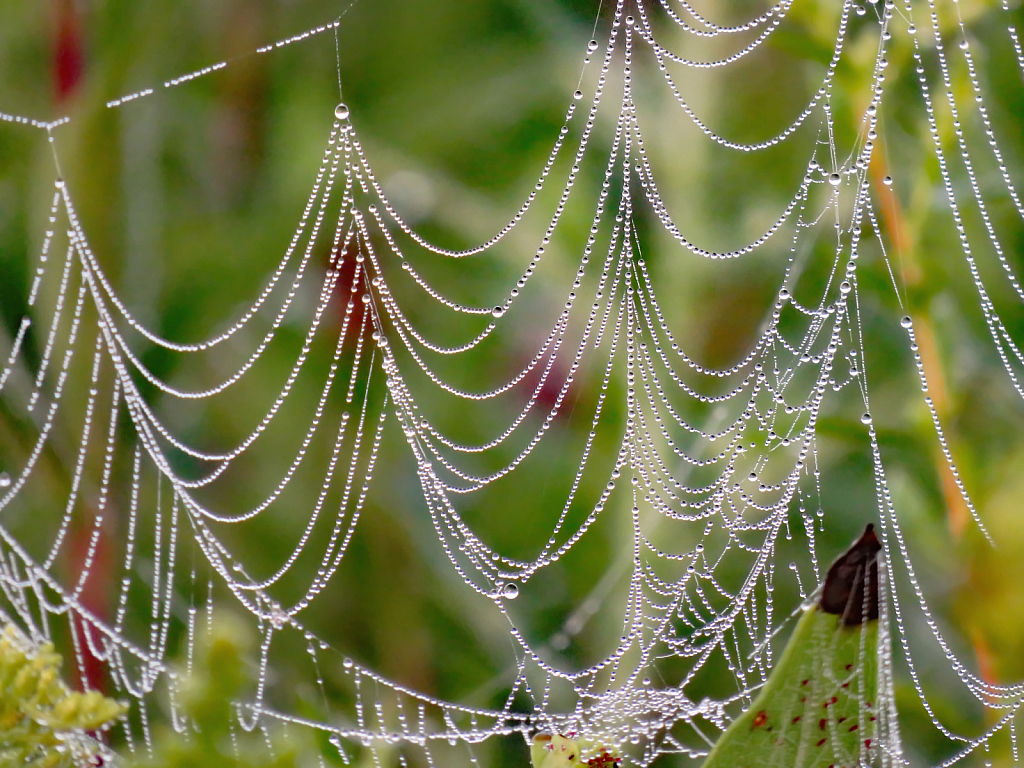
904, 247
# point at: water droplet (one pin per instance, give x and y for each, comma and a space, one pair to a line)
865, 419
498, 311
592, 46
964, 45
783, 294
510, 591
906, 322
834, 179
578, 95
341, 112
347, 663
887, 181
278, 617
845, 287
752, 476
5, 480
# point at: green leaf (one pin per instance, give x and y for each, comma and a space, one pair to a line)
817, 707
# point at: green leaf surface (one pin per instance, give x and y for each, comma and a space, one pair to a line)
818, 705
816, 708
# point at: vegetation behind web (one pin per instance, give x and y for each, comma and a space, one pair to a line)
190, 198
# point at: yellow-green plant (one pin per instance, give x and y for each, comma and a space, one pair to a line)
43, 724
557, 751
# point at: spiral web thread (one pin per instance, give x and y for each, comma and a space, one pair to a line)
738, 473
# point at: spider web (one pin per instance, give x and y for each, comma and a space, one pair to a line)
716, 468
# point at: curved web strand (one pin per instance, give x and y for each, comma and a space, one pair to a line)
319, 192
771, 22
711, 29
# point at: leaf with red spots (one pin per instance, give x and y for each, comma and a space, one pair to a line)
814, 710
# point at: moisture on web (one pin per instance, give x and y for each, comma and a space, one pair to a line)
707, 474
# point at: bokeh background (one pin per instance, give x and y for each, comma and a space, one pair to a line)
189, 198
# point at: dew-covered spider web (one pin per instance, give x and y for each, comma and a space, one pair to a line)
711, 472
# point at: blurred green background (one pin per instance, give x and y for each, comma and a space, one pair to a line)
189, 198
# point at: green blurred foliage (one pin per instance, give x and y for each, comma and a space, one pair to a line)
206, 699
